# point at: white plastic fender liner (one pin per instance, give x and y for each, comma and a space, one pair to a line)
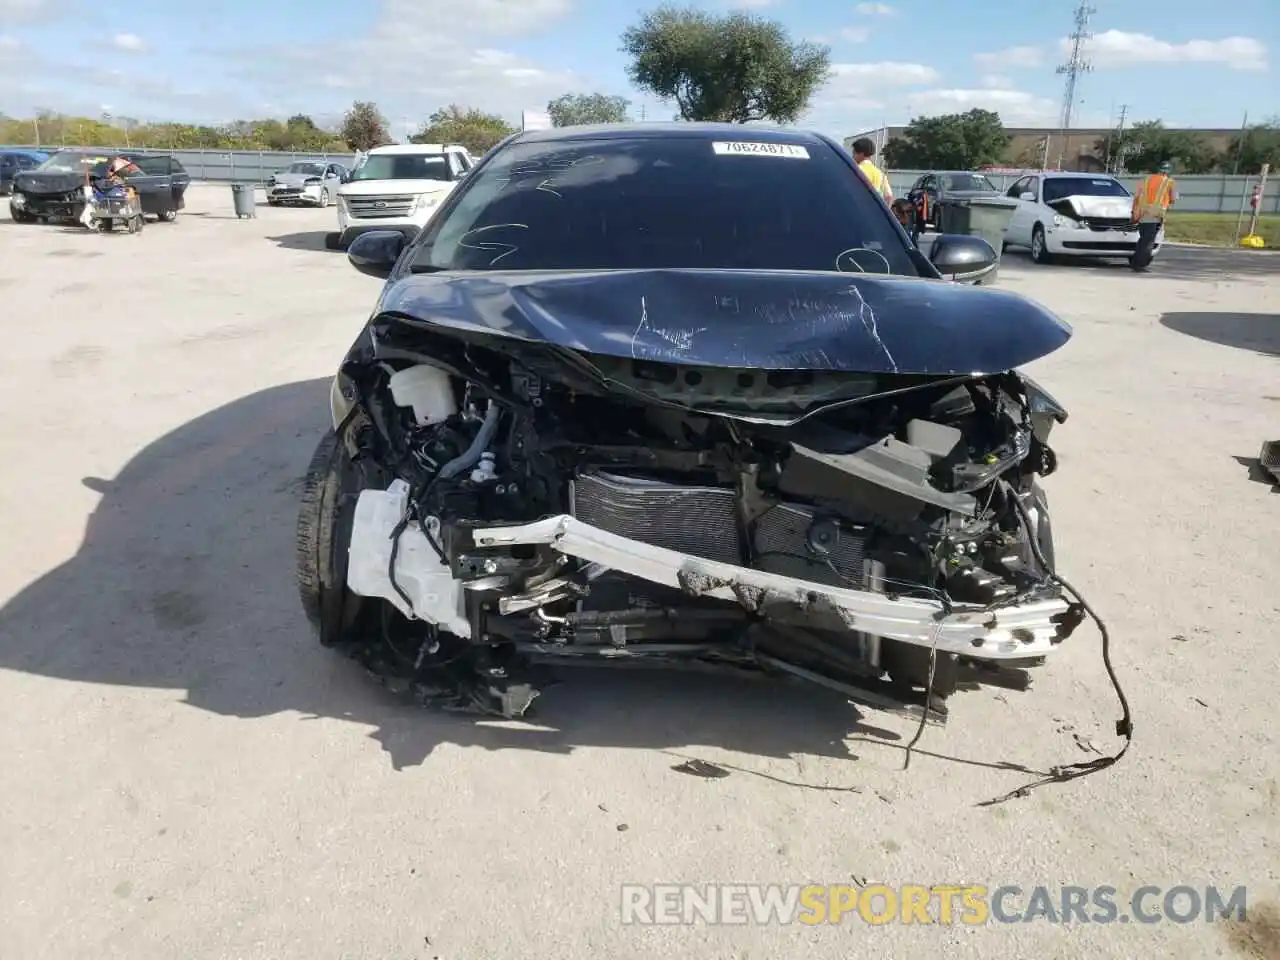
1003, 633
427, 581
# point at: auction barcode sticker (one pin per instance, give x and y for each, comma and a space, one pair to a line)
757, 148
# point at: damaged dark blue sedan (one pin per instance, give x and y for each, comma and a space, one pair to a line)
680, 393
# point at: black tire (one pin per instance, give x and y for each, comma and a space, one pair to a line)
324, 198
333, 241
169, 216
324, 525
21, 216
1040, 251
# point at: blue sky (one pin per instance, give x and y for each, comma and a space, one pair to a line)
1188, 63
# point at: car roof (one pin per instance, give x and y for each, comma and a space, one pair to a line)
1076, 175
652, 130
33, 154
411, 148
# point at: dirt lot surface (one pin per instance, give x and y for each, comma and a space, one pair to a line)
188, 775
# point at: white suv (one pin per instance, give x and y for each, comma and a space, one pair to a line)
397, 188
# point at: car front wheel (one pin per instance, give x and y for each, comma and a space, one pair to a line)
169, 216
329, 492
1039, 248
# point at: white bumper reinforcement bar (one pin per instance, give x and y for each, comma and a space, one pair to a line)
1026, 630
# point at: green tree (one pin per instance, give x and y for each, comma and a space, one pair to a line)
734, 68
577, 108
474, 129
363, 127
1257, 145
1146, 145
954, 141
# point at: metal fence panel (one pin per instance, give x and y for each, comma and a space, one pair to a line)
226, 166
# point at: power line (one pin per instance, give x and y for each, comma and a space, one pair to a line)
1076, 65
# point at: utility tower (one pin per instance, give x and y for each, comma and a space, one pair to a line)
1076, 64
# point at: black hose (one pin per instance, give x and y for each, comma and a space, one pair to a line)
471, 456
1124, 726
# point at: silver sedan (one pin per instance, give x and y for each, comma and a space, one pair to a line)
312, 182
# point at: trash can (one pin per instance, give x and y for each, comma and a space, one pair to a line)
242, 198
985, 217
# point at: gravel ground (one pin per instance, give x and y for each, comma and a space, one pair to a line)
188, 775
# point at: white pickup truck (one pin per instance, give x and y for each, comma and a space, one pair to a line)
398, 188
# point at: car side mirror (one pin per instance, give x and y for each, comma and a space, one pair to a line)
963, 258
1027, 195
375, 253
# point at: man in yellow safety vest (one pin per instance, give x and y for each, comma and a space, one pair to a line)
863, 150
1151, 203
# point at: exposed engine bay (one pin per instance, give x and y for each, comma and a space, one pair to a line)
884, 536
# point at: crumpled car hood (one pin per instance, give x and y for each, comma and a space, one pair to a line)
295, 179
771, 320
1103, 207
48, 183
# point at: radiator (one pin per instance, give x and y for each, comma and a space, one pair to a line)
787, 539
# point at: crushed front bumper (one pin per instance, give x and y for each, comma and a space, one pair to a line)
1072, 240
1013, 632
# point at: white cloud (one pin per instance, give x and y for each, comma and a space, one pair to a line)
129, 42
874, 9
755, 4
855, 34
1015, 107
1024, 56
440, 58
1120, 48
883, 74
997, 81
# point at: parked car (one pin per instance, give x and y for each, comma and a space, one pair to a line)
310, 182
683, 392
13, 162
55, 189
1073, 215
933, 188
397, 187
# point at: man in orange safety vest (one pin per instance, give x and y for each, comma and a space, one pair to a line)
1151, 203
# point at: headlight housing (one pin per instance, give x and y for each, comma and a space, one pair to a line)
425, 201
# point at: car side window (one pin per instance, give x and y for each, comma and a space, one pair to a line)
1015, 191
176, 168
153, 166
456, 167
1033, 187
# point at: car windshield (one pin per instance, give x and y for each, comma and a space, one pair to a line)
1055, 188
71, 161
310, 169
665, 202
403, 166
957, 182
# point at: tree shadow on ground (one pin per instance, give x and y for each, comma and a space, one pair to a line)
185, 580
1259, 332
